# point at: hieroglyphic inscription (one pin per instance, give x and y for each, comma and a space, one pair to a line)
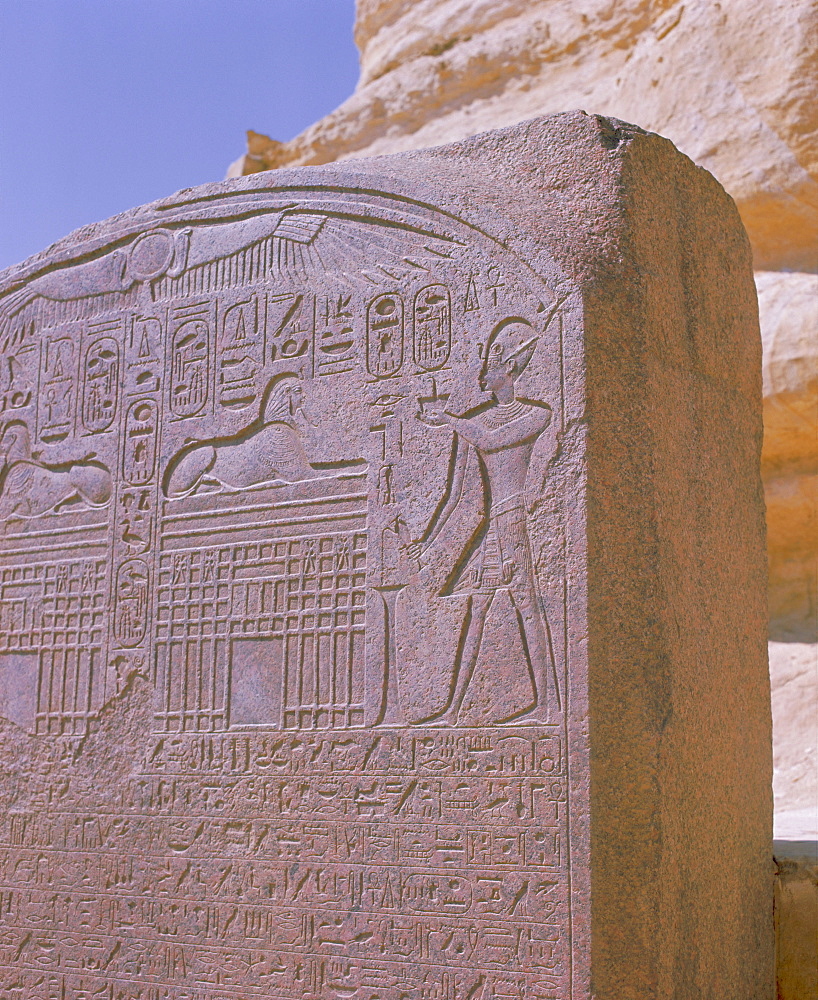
385, 335
57, 394
282, 613
240, 354
282, 866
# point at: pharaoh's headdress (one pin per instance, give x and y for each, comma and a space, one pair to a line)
513, 339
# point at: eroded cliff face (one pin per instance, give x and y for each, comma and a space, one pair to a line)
735, 86
788, 308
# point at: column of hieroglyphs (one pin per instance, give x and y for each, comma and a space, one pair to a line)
735, 86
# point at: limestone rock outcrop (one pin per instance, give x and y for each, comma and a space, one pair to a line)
795, 740
788, 308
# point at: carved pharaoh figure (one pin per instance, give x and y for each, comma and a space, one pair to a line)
503, 435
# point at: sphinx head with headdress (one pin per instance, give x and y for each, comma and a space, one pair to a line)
15, 443
283, 399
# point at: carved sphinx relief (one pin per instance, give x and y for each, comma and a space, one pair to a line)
275, 498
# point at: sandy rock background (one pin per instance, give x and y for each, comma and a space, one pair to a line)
735, 86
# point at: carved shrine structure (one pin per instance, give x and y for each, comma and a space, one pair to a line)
366, 629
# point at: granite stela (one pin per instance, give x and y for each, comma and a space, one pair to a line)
382, 586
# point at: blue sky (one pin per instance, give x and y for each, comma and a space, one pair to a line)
106, 104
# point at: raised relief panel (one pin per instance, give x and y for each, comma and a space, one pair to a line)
293, 602
287, 578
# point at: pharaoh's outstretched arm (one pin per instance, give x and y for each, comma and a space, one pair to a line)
495, 439
454, 490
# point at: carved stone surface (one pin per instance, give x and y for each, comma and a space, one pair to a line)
706, 75
371, 546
